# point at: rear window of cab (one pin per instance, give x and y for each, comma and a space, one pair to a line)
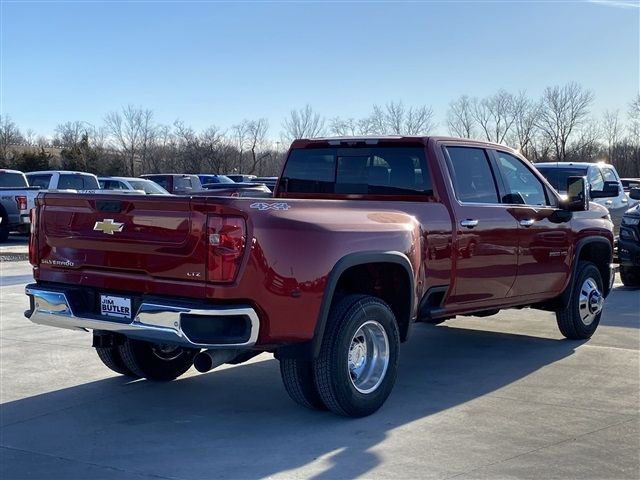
357, 170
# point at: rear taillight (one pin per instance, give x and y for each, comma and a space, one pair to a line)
21, 201
226, 238
33, 237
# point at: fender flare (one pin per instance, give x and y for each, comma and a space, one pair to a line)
341, 266
565, 297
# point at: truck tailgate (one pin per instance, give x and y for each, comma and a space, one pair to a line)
147, 236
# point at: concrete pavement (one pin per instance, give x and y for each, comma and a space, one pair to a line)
499, 397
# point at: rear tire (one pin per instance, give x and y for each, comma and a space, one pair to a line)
156, 362
630, 276
581, 317
4, 229
111, 358
358, 361
297, 376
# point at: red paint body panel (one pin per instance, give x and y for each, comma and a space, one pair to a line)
290, 253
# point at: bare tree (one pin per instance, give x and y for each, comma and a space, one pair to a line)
69, 134
525, 116
131, 132
611, 131
586, 147
460, 118
303, 123
395, 119
562, 110
495, 115
349, 127
251, 141
189, 153
634, 120
632, 162
9, 135
30, 136
215, 150
42, 141
257, 132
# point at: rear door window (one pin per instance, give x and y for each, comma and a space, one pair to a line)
471, 174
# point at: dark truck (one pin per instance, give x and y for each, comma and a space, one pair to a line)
629, 244
364, 237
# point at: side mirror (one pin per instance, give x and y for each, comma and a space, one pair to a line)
610, 189
635, 193
577, 195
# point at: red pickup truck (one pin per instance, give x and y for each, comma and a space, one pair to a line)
364, 237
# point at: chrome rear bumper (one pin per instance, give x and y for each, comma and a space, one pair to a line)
153, 322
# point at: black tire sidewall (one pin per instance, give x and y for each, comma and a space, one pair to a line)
353, 402
630, 276
4, 229
141, 359
588, 270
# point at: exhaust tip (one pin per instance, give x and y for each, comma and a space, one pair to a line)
203, 362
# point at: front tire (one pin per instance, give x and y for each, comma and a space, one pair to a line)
156, 362
356, 369
630, 276
581, 317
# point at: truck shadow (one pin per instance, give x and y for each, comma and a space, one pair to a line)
239, 423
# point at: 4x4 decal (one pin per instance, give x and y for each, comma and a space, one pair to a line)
270, 206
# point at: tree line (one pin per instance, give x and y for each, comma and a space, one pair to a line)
558, 126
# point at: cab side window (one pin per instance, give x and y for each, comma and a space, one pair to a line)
595, 179
522, 186
472, 177
610, 175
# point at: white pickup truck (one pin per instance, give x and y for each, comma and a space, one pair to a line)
18, 192
16, 200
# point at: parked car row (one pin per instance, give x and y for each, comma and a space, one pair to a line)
19, 190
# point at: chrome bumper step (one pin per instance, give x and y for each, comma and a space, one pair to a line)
153, 322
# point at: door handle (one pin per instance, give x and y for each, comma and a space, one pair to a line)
624, 200
469, 223
527, 222
608, 202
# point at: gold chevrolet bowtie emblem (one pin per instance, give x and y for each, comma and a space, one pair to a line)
108, 226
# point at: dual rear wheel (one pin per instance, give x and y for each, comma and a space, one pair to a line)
138, 359
358, 361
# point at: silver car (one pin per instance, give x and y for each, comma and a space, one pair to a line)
124, 184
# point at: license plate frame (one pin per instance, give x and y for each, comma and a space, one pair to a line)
115, 306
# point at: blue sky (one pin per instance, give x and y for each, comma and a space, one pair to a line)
216, 63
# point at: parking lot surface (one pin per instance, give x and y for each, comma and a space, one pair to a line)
497, 397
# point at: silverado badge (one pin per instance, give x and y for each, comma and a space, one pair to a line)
108, 226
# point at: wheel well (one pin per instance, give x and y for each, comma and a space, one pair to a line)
387, 281
598, 253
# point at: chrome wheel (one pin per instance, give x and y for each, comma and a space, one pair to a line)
166, 352
591, 301
368, 357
